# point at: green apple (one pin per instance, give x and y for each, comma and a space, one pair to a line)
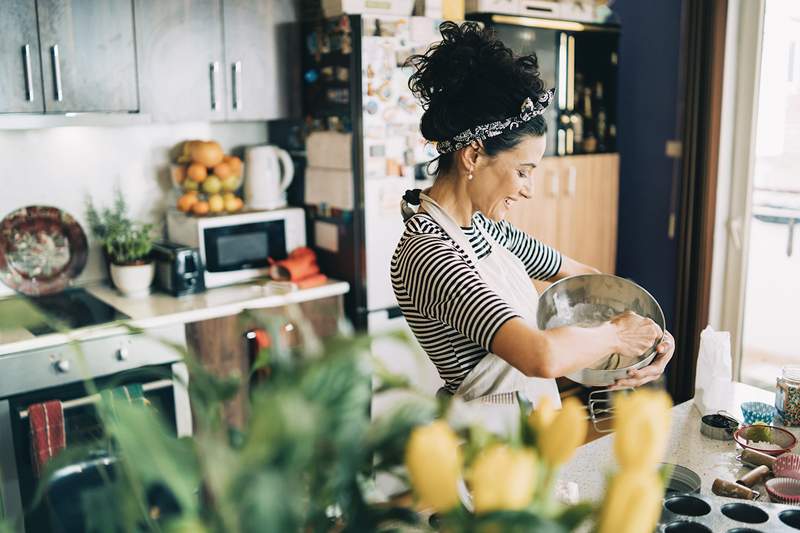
212, 185
190, 185
231, 183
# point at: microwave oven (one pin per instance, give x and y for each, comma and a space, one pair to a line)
236, 248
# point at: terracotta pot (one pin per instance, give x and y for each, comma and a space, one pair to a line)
133, 280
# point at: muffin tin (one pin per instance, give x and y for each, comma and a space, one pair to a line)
694, 513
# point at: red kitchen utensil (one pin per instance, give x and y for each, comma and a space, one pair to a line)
771, 440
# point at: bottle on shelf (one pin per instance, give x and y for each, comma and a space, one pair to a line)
589, 144
601, 118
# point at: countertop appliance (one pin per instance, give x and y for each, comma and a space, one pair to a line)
269, 171
179, 269
236, 248
61, 373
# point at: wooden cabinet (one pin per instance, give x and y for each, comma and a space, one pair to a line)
574, 208
180, 56
213, 59
20, 68
87, 56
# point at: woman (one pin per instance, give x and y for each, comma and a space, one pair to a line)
461, 274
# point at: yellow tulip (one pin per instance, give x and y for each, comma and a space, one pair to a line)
559, 440
542, 415
503, 478
641, 424
433, 460
632, 503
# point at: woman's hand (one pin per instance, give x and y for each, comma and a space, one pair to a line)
636, 334
653, 371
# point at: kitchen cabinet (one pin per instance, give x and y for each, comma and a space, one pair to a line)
20, 68
87, 56
214, 59
180, 54
574, 208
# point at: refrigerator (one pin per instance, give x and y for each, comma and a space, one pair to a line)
356, 99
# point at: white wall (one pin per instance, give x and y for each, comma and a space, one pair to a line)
61, 166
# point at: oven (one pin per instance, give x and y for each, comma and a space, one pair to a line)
61, 373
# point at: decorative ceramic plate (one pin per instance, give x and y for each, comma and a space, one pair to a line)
41, 250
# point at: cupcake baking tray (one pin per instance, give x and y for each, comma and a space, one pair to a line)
694, 513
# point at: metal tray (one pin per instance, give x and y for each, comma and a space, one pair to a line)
694, 513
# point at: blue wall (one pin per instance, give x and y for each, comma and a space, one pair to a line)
647, 111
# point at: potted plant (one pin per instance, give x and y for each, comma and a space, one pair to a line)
126, 246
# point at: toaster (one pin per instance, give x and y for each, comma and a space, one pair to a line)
179, 269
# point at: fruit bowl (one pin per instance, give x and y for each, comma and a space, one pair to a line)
206, 180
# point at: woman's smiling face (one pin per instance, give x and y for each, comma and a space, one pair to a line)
500, 180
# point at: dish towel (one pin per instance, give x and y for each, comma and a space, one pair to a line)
132, 394
47, 433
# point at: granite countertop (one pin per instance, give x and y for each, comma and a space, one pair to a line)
709, 458
159, 309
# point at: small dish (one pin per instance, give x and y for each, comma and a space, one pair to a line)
783, 490
770, 440
787, 465
758, 413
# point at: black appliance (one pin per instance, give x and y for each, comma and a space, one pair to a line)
179, 268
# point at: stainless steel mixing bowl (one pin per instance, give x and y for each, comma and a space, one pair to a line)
589, 300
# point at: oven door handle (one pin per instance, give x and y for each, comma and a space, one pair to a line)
94, 398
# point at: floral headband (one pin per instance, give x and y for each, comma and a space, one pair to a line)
528, 110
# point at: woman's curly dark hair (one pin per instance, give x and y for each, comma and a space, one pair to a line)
470, 78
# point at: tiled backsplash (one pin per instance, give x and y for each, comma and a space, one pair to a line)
61, 166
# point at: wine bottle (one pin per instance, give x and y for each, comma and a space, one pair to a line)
589, 140
601, 118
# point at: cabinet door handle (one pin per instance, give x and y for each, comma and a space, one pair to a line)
26, 53
213, 69
57, 73
572, 181
237, 85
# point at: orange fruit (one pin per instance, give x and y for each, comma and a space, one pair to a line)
197, 172
186, 201
235, 163
179, 173
223, 170
200, 208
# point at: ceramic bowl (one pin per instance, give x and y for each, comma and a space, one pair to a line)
779, 440
758, 413
783, 490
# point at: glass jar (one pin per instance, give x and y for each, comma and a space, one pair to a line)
787, 395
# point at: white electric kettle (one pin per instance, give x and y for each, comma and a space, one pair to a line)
269, 171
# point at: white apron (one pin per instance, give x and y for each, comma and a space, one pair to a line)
493, 380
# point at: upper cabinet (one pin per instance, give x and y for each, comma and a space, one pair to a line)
20, 71
181, 73
87, 55
213, 60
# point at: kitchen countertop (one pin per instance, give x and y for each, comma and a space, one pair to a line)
160, 309
709, 458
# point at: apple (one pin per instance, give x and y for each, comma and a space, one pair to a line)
191, 185
215, 203
231, 183
212, 185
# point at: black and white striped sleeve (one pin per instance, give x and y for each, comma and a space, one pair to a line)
442, 285
541, 261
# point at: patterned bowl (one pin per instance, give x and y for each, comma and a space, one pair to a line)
783, 490
787, 465
770, 440
758, 413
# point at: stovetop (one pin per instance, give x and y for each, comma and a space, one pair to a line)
41, 315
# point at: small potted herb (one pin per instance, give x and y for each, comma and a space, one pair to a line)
126, 246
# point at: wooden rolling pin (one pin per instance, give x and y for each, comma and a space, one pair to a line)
757, 458
728, 489
754, 477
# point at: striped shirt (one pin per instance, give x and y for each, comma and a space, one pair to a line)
450, 309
